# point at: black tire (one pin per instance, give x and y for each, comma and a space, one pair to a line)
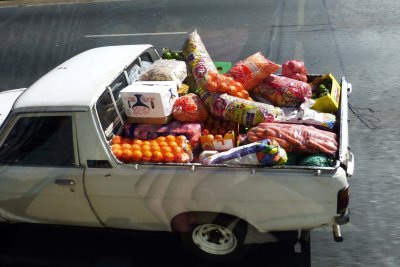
218, 239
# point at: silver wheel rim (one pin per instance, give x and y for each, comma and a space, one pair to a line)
214, 239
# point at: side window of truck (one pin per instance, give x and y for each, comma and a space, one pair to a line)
39, 141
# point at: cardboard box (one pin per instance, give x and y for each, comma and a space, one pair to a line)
228, 142
149, 101
329, 103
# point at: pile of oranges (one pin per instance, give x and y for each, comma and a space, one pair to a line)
219, 83
168, 148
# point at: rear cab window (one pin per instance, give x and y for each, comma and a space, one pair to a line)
109, 106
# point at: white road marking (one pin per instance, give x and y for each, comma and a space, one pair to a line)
134, 34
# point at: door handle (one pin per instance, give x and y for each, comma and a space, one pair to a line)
64, 182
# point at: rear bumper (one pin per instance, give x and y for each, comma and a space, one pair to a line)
343, 219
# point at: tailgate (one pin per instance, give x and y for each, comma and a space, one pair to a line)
346, 158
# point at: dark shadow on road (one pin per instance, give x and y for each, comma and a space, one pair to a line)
53, 246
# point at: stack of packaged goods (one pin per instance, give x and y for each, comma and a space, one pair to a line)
184, 109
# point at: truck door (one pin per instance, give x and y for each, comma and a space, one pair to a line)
40, 178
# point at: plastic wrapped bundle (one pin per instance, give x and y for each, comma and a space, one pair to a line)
265, 152
282, 91
295, 137
253, 70
197, 58
165, 70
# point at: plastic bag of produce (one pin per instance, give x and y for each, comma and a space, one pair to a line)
282, 91
197, 57
165, 70
295, 69
249, 113
145, 131
265, 152
189, 108
235, 109
252, 70
295, 138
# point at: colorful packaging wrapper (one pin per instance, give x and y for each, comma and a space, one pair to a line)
197, 57
249, 113
252, 70
235, 109
282, 91
295, 137
265, 152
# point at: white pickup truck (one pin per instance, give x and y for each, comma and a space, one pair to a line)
57, 168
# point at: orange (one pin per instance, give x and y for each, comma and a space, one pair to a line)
126, 141
209, 137
117, 153
126, 146
173, 143
223, 87
170, 138
176, 150
212, 86
157, 156
116, 139
136, 155
182, 158
232, 90
146, 148
146, 155
116, 146
137, 141
163, 143
160, 139
146, 142
165, 149
239, 94
155, 147
181, 139
169, 157
126, 155
136, 147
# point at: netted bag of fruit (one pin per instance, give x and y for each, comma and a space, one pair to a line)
219, 83
252, 70
266, 152
197, 58
189, 108
295, 138
282, 91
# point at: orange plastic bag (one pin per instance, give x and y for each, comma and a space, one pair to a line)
253, 70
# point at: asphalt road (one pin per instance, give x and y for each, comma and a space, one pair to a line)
356, 39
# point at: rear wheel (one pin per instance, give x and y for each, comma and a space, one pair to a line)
219, 240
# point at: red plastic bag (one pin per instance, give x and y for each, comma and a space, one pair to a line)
282, 91
189, 108
252, 70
